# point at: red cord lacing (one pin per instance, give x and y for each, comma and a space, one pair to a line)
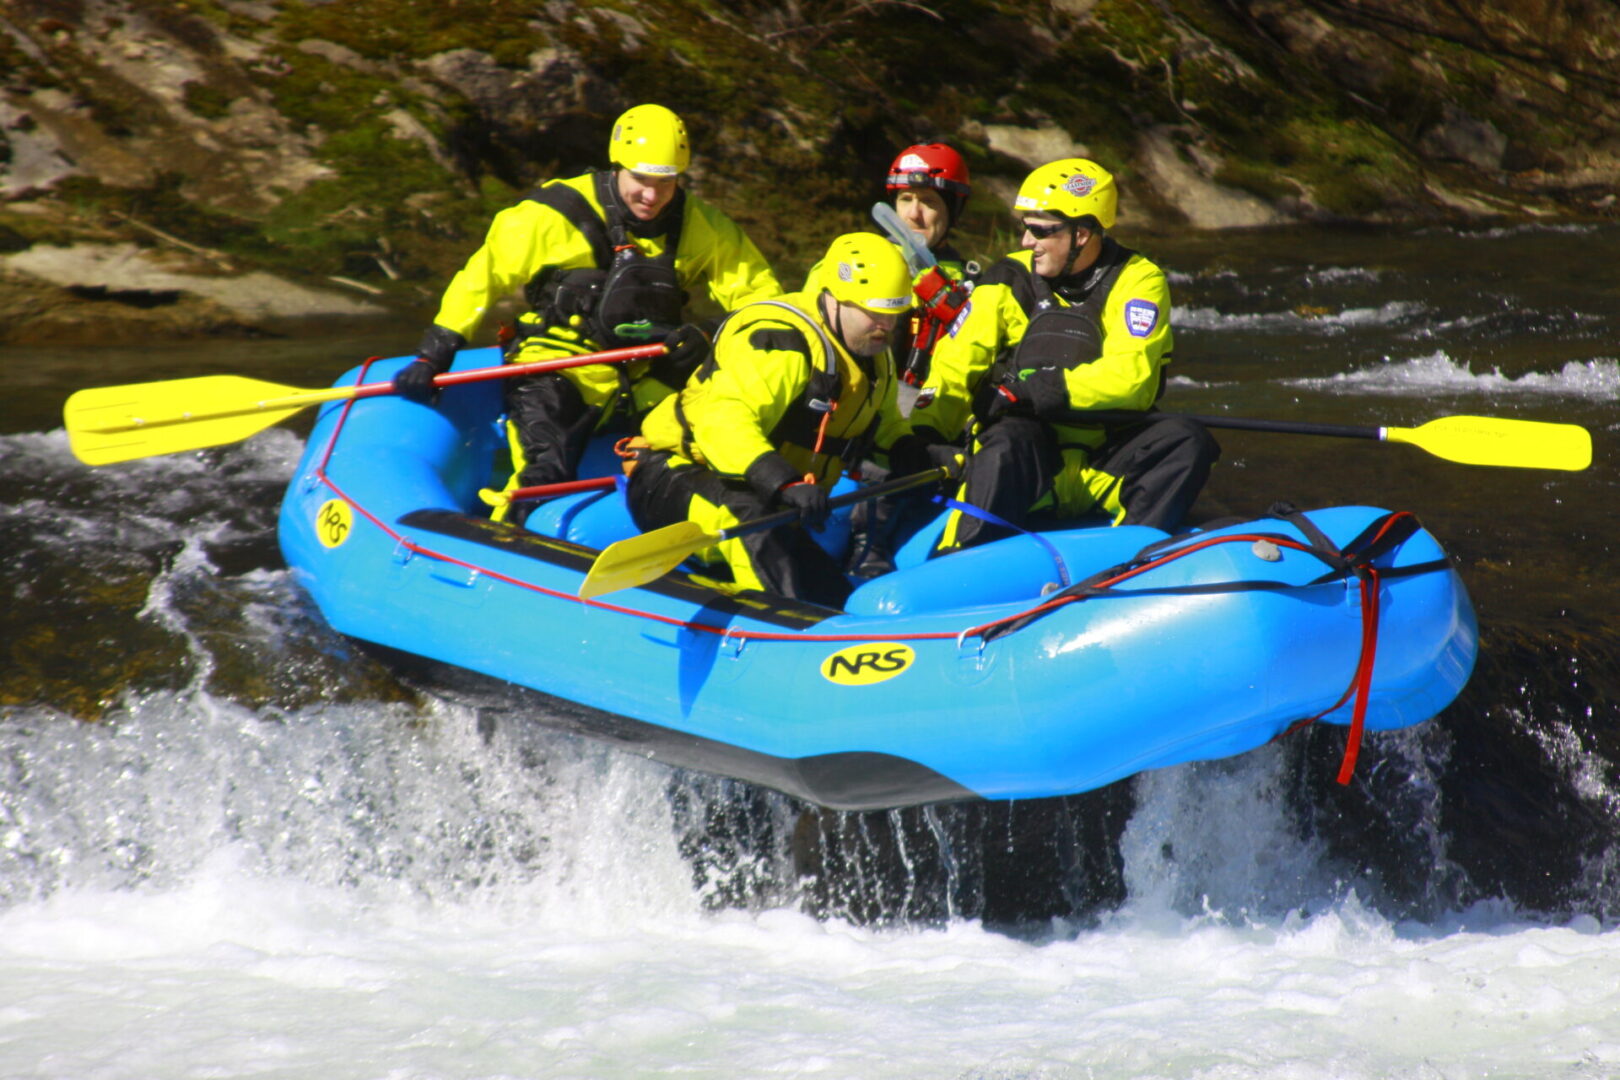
1360, 683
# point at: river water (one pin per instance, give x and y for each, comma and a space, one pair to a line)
235, 845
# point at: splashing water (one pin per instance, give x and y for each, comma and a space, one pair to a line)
1597, 380
234, 844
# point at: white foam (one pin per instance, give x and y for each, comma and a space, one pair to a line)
1528, 228
235, 975
1595, 379
1304, 320
365, 891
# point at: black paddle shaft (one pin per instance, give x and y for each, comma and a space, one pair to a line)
1121, 417
872, 491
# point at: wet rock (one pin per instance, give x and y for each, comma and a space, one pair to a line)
90, 293
1468, 139
32, 156
1183, 182
385, 136
557, 81
1033, 146
35, 312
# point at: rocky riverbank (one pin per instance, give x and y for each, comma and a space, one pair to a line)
210, 166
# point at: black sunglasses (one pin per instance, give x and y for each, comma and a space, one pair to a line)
1041, 231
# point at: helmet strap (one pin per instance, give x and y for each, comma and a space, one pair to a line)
837, 318
1076, 249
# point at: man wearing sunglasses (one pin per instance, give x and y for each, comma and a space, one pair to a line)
1072, 323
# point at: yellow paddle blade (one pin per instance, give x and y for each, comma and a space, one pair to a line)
117, 423
640, 559
1487, 440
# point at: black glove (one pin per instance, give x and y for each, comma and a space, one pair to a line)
1041, 393
809, 500
947, 456
434, 355
414, 381
921, 450
688, 347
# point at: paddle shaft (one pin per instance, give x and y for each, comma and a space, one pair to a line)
849, 498
1466, 440
1121, 417
116, 416
566, 487
456, 378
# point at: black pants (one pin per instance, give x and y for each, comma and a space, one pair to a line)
1159, 467
553, 426
879, 527
785, 560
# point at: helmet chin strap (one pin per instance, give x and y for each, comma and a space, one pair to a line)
1075, 248
837, 318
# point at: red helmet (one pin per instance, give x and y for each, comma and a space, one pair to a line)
932, 165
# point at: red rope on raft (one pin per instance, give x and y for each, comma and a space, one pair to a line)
1360, 683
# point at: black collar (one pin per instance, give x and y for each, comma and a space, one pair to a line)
1076, 287
619, 215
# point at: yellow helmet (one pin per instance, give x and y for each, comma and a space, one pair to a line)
651, 140
1070, 188
868, 271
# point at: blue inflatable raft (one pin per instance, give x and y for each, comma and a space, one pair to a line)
1014, 670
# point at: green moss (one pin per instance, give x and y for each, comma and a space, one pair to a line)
207, 101
336, 225
309, 89
1139, 28
1352, 168
794, 110
12, 240
392, 29
1255, 178
161, 205
20, 66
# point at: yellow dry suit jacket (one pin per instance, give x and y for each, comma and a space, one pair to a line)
715, 263
751, 412
1134, 321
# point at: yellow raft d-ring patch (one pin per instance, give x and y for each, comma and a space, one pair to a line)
333, 522
867, 663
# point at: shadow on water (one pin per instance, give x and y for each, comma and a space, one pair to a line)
143, 578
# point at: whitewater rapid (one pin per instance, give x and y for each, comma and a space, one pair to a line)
359, 893
233, 845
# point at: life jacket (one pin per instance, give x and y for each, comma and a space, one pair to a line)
833, 419
627, 298
1065, 326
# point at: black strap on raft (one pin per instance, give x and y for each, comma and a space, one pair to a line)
1356, 559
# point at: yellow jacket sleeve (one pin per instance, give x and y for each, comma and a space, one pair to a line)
991, 322
521, 240
1136, 343
718, 256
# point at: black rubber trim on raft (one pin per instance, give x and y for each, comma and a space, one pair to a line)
853, 780
765, 607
